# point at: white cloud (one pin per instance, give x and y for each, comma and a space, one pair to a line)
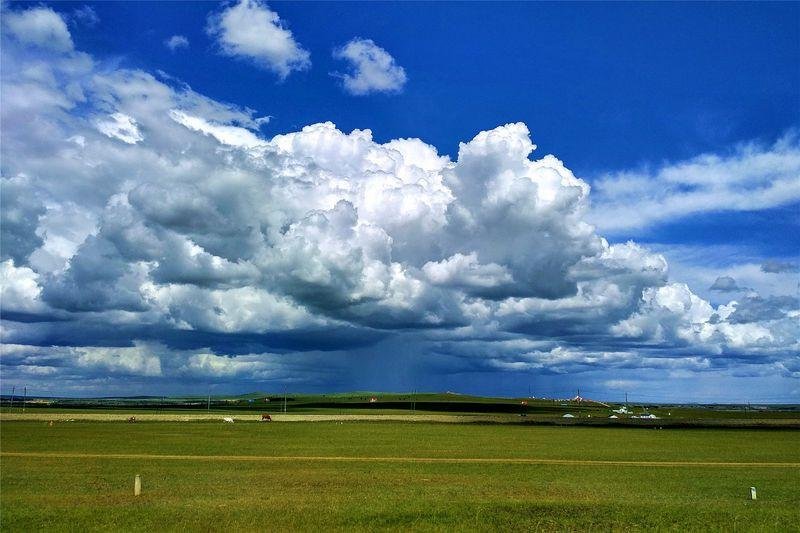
249, 29
372, 69
206, 365
176, 42
138, 361
120, 126
229, 135
20, 289
752, 177
39, 26
466, 271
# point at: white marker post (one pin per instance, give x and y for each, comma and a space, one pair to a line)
137, 485
752, 493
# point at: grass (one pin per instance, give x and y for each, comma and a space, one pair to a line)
62, 493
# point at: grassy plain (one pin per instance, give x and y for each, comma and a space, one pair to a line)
391, 475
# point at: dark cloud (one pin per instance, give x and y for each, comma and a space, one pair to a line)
758, 309
98, 279
779, 267
725, 284
20, 210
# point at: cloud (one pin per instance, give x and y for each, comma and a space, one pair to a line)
120, 126
152, 232
136, 361
779, 267
226, 134
20, 289
751, 177
39, 26
250, 30
725, 284
754, 308
465, 271
86, 15
19, 219
176, 42
700, 265
372, 69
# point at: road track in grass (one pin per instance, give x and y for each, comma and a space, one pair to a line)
365, 459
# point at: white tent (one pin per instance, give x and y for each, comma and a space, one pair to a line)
613, 416
568, 416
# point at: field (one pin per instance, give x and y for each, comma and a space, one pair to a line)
387, 475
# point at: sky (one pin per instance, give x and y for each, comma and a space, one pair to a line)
487, 198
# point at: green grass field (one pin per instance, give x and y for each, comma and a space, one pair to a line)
387, 476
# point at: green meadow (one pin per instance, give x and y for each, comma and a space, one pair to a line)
209, 476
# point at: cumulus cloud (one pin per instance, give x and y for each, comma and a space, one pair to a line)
752, 177
176, 42
250, 30
151, 231
20, 289
372, 69
39, 26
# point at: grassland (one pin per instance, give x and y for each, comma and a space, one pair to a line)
345, 475
392, 406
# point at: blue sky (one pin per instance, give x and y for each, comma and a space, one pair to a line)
607, 86
158, 237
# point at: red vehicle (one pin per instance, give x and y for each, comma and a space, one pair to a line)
266, 418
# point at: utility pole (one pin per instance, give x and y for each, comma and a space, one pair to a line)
208, 408
284, 399
13, 390
25, 398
